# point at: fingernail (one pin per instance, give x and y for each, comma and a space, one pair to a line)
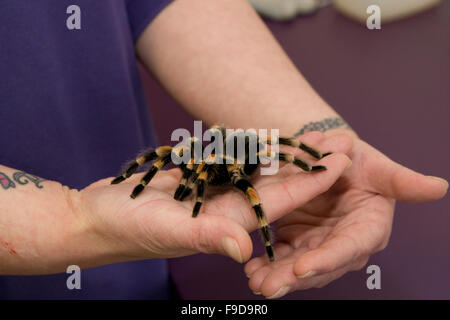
440, 179
256, 292
232, 249
349, 165
309, 274
281, 292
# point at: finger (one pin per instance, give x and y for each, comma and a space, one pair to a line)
295, 190
332, 255
321, 281
260, 274
216, 234
410, 186
396, 181
281, 250
286, 279
280, 281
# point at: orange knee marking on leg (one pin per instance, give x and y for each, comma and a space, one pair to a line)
200, 167
164, 150
263, 221
203, 175
253, 196
159, 164
141, 160
294, 142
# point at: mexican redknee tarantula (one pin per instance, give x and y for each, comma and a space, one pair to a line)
220, 168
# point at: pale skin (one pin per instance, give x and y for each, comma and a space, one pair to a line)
220, 54
55, 226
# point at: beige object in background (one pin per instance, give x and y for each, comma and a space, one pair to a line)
390, 9
282, 10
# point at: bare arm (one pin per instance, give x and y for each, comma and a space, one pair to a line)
40, 230
222, 63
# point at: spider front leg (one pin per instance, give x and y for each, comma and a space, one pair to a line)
240, 182
286, 157
191, 182
189, 170
294, 142
146, 156
162, 156
157, 165
201, 187
199, 178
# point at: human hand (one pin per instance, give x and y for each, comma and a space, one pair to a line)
154, 225
339, 230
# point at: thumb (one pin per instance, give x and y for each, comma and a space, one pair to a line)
396, 181
218, 234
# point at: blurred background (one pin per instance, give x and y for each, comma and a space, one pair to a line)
392, 87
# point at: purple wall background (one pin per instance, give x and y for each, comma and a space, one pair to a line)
392, 86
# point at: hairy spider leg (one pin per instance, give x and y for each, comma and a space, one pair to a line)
286, 157
198, 168
157, 165
188, 169
201, 186
187, 172
201, 182
240, 182
294, 142
144, 157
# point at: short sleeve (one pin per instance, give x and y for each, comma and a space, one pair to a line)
142, 12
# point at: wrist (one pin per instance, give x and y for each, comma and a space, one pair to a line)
78, 241
329, 125
94, 242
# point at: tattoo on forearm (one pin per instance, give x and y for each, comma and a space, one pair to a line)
19, 177
323, 125
6, 182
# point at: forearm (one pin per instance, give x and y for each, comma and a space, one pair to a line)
224, 66
41, 230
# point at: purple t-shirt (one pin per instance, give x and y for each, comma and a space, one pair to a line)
72, 110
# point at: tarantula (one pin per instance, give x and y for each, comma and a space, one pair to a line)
219, 168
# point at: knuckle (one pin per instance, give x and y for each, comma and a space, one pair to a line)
360, 264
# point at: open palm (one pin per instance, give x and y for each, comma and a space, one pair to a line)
339, 230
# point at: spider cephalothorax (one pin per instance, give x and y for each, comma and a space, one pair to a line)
232, 166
